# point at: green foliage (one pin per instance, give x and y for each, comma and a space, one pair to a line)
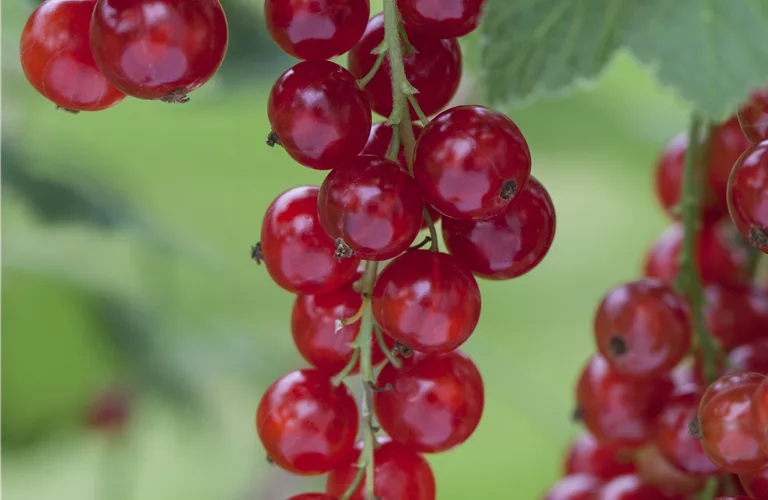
712, 52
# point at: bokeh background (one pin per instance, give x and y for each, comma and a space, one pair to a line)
125, 262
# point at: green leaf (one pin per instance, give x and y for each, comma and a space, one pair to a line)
712, 52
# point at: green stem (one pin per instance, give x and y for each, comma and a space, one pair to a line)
415, 104
400, 85
391, 358
381, 53
688, 281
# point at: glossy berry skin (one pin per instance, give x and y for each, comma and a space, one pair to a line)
753, 117
313, 496
399, 473
307, 425
632, 487
441, 18
676, 443
380, 138
427, 301
726, 146
736, 315
748, 195
729, 381
587, 455
434, 70
617, 410
510, 244
435, 403
725, 412
372, 206
760, 415
722, 254
162, 52
574, 487
655, 470
752, 357
297, 252
316, 29
755, 484
314, 331
471, 162
643, 328
320, 115
57, 60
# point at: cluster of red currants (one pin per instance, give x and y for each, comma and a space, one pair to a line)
87, 55
469, 166
657, 425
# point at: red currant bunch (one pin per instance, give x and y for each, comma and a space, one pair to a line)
87, 55
400, 329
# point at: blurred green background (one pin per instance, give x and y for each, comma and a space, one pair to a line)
125, 260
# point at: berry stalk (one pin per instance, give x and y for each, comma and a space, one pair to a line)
365, 345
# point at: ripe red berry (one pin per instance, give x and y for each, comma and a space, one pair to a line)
727, 382
760, 415
643, 328
427, 301
313, 496
748, 195
655, 470
752, 357
296, 250
726, 145
511, 243
371, 207
736, 315
722, 254
753, 116
735, 497
725, 413
619, 411
313, 325
632, 487
574, 487
57, 60
161, 50
441, 19
587, 455
109, 411
307, 425
471, 162
319, 114
755, 484
434, 69
399, 473
435, 401
316, 29
380, 138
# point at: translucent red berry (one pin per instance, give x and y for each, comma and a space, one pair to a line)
755, 484
726, 145
632, 487
427, 301
471, 162
752, 357
57, 60
511, 243
400, 473
748, 195
587, 455
617, 410
307, 425
434, 69
434, 402
162, 50
380, 138
760, 415
643, 328
441, 18
736, 315
574, 487
753, 116
316, 29
319, 114
297, 252
654, 469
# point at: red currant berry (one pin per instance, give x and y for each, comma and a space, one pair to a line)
736, 315
643, 328
299, 255
760, 414
676, 443
162, 50
574, 487
510, 244
371, 208
752, 357
734, 497
427, 301
380, 138
313, 325
587, 455
722, 254
748, 195
620, 411
319, 114
109, 411
753, 117
435, 401
755, 484
399, 473
632, 487
316, 29
687, 376
313, 496
725, 413
729, 381
471, 162
307, 425
434, 69
655, 470
726, 145
441, 19
57, 60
